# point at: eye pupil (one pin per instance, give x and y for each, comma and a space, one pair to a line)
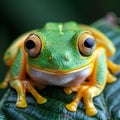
89, 43
30, 44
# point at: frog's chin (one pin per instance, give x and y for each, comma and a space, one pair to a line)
73, 78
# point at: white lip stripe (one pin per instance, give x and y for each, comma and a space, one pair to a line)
60, 80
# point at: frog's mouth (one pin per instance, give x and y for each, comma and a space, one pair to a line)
59, 72
60, 78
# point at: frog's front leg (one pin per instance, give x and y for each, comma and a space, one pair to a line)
20, 89
20, 83
97, 81
18, 74
74, 104
94, 87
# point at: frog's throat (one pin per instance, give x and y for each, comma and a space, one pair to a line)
59, 72
73, 78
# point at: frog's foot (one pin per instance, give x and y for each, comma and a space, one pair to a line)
37, 96
21, 103
88, 95
111, 78
114, 68
21, 86
74, 104
21, 98
87, 92
91, 111
69, 90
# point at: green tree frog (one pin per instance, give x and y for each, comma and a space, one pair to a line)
70, 55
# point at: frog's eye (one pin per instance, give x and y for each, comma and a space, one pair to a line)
33, 45
86, 43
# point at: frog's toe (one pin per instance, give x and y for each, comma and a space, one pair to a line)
41, 100
68, 91
21, 104
72, 107
91, 111
111, 78
114, 68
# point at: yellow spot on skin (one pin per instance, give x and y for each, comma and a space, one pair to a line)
50, 58
60, 29
67, 57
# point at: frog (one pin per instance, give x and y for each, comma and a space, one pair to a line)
69, 55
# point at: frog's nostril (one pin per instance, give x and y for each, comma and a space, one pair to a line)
59, 59
50, 58
67, 57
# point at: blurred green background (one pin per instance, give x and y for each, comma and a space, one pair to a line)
19, 16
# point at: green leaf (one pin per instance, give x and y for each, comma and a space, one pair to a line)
107, 103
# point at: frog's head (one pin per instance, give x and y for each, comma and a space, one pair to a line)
60, 48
